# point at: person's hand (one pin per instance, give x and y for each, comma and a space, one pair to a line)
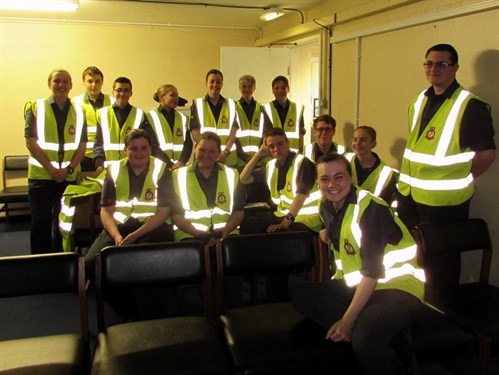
60, 174
284, 224
131, 238
340, 331
263, 151
118, 240
222, 157
324, 236
177, 165
99, 169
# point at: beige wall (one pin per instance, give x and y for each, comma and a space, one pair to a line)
148, 55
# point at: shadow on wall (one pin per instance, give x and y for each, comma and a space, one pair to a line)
397, 150
487, 78
348, 129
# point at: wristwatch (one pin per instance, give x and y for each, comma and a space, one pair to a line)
290, 217
70, 169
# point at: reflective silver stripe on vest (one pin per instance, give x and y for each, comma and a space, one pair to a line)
382, 179
159, 131
417, 109
106, 134
456, 184
214, 129
40, 124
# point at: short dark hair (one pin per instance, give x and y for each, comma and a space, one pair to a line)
214, 71
328, 119
92, 71
332, 157
136, 134
273, 132
122, 80
368, 129
280, 79
454, 58
211, 136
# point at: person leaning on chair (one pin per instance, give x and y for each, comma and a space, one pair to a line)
56, 137
450, 144
137, 196
291, 179
377, 287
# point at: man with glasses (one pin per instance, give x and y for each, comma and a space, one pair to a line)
450, 144
115, 121
324, 129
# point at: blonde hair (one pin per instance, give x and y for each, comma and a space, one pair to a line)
163, 89
249, 78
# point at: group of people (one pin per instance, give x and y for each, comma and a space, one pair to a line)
243, 152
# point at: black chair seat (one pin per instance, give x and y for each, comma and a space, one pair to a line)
266, 343
181, 345
14, 194
49, 355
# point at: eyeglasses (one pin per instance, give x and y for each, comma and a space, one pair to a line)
437, 64
323, 130
120, 91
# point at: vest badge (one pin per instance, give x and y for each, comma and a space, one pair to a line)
179, 132
348, 247
221, 198
288, 186
291, 123
430, 134
149, 195
256, 122
128, 130
72, 129
225, 119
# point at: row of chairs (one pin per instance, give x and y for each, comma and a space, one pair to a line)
255, 339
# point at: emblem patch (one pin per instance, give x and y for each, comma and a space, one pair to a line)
291, 123
221, 198
179, 132
71, 129
349, 248
149, 195
430, 134
256, 122
288, 186
225, 119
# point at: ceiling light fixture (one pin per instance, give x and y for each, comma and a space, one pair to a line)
271, 14
43, 5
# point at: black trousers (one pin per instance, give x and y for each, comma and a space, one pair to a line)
44, 198
413, 213
386, 315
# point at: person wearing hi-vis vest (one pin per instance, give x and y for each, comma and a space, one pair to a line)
210, 194
113, 124
369, 172
92, 100
171, 127
217, 114
324, 128
286, 114
377, 287
137, 196
291, 180
451, 142
56, 137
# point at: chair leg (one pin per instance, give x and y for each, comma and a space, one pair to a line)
484, 343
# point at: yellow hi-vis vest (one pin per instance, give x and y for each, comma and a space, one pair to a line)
227, 116
291, 124
435, 171
250, 131
91, 116
377, 180
48, 139
113, 138
146, 205
309, 150
309, 212
399, 261
170, 142
194, 201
